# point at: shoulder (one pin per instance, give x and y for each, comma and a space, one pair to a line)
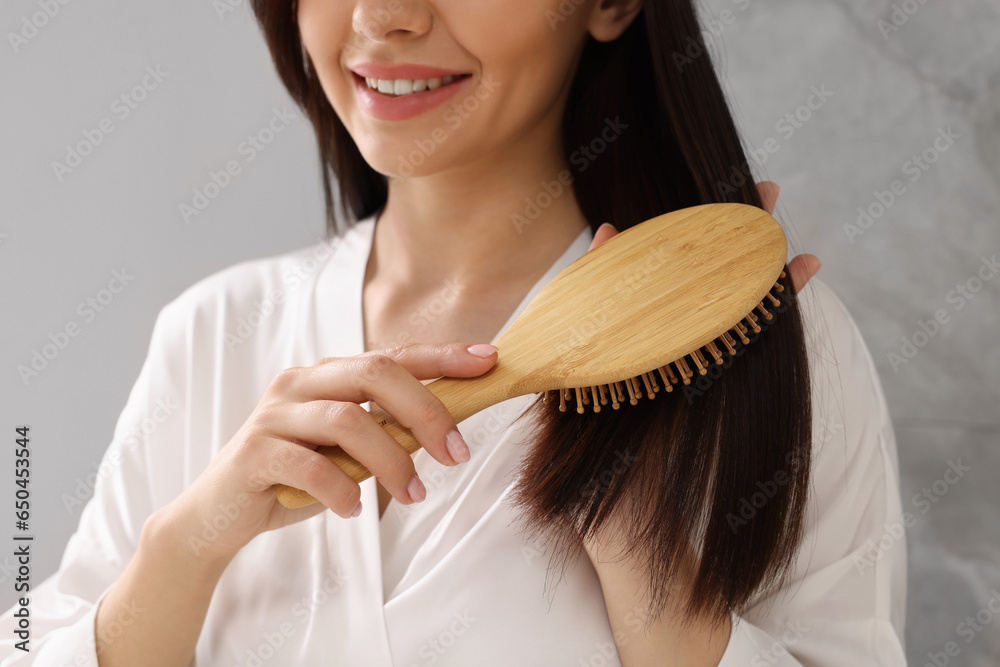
273, 277
856, 515
847, 588
255, 294
248, 315
847, 391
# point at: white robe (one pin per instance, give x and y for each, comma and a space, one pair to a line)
450, 581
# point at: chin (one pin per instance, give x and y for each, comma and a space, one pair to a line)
411, 158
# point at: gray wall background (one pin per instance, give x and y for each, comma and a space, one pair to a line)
893, 85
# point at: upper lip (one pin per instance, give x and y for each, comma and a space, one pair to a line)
401, 71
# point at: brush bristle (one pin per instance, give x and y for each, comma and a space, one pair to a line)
714, 352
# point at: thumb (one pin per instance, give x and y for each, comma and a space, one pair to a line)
604, 232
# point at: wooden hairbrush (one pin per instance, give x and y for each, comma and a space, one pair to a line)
666, 297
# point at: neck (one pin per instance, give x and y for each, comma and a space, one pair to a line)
481, 225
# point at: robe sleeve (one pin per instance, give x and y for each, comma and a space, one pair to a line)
844, 603
63, 607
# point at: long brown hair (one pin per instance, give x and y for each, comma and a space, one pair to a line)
722, 467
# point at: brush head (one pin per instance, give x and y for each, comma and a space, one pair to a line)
645, 298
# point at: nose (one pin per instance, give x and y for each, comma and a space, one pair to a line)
382, 20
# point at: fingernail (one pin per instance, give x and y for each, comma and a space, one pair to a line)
457, 447
357, 510
482, 350
416, 489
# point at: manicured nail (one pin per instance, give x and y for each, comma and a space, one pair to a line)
457, 447
357, 510
416, 489
482, 350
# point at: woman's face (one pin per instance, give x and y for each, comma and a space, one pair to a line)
424, 86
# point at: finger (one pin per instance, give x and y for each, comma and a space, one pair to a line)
348, 425
768, 191
604, 232
429, 361
376, 377
423, 361
801, 269
302, 468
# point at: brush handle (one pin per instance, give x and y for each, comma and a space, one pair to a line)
463, 397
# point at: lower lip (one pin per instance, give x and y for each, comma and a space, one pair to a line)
403, 107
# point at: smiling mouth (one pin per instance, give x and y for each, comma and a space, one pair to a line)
400, 87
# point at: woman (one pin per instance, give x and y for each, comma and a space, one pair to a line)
445, 122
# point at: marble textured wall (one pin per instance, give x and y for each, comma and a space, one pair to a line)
901, 77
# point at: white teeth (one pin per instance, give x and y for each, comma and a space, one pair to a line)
408, 86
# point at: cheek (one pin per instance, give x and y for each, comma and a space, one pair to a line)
324, 28
531, 65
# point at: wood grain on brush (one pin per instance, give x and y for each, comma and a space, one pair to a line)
682, 284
